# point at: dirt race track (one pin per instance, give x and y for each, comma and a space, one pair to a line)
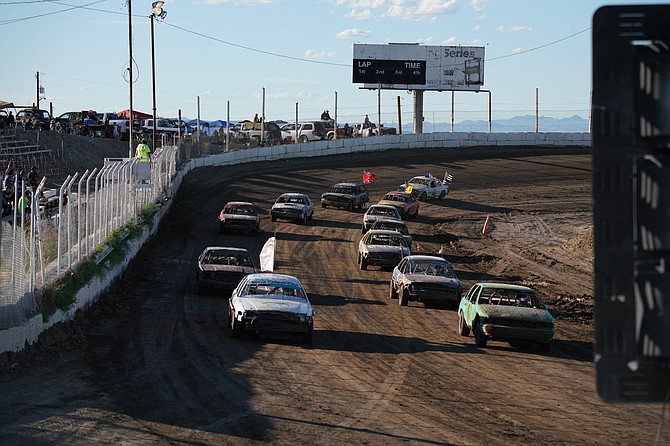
152, 363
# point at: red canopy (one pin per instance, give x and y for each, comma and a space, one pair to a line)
136, 114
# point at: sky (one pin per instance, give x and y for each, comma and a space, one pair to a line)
235, 58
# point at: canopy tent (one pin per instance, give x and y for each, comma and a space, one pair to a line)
136, 114
218, 123
194, 123
5, 104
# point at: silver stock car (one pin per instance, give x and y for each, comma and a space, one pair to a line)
427, 279
293, 206
270, 303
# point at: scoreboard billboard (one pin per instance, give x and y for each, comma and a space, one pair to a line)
409, 66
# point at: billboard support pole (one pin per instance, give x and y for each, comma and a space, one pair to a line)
399, 118
418, 112
379, 108
452, 111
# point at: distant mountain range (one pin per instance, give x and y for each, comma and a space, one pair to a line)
573, 124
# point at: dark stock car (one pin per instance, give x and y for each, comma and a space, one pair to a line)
426, 279
222, 268
348, 195
239, 216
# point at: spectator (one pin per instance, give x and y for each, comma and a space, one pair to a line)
12, 121
143, 152
366, 123
325, 116
10, 169
115, 130
6, 206
256, 118
33, 178
23, 206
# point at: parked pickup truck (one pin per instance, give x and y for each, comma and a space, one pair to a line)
163, 126
254, 130
341, 131
372, 130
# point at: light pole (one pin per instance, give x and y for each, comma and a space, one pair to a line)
156, 12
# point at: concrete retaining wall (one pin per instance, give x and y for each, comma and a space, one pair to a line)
16, 338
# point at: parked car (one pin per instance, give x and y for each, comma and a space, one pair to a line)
382, 248
267, 133
307, 131
40, 118
424, 187
348, 195
505, 312
293, 206
269, 302
240, 216
393, 225
407, 204
376, 212
427, 279
222, 268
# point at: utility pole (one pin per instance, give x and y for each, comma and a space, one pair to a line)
130, 78
38, 90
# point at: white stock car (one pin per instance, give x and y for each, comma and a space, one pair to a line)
293, 206
427, 186
379, 211
270, 303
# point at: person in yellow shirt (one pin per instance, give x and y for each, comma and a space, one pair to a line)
143, 152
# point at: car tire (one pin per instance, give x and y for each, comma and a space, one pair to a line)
393, 294
303, 138
311, 216
442, 195
403, 301
463, 328
416, 214
545, 346
234, 325
222, 228
362, 262
307, 336
303, 219
324, 205
423, 196
480, 337
363, 231
350, 206
273, 218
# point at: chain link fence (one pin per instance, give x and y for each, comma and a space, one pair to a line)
72, 224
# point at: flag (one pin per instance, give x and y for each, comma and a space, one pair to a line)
447, 178
267, 255
368, 177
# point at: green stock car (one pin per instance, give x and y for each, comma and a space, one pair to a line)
505, 312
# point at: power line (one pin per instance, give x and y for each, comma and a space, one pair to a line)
244, 47
22, 19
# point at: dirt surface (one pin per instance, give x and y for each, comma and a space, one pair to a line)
152, 363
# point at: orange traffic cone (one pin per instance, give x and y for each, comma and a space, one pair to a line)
486, 224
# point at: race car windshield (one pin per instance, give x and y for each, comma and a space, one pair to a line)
342, 190
274, 289
386, 240
240, 211
432, 269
